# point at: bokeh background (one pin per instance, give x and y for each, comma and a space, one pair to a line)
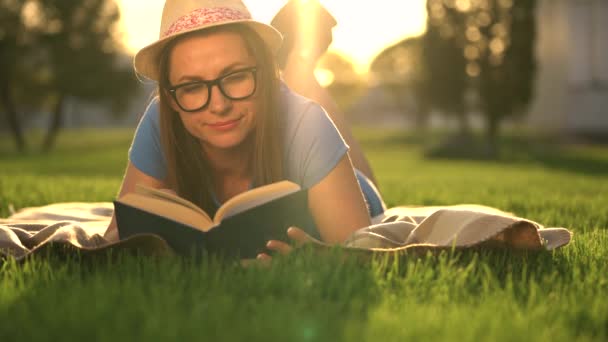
472, 70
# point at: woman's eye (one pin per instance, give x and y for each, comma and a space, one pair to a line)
193, 88
241, 76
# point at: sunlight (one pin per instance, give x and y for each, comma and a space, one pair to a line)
362, 32
308, 29
325, 77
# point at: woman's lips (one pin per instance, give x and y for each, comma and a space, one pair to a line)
224, 125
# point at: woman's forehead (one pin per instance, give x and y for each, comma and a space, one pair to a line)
207, 55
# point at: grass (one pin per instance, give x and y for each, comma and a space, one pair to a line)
489, 295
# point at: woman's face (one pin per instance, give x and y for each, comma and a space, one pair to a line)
223, 123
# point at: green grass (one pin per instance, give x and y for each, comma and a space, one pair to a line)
307, 297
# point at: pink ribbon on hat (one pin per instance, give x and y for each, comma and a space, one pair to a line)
204, 16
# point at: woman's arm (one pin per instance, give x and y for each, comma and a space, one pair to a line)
337, 204
132, 177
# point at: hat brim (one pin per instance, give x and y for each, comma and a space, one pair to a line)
146, 61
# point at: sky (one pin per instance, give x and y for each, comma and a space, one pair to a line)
364, 27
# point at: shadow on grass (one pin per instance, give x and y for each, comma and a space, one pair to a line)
577, 158
590, 159
393, 138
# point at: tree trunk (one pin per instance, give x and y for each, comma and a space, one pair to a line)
12, 117
464, 127
422, 115
55, 125
492, 131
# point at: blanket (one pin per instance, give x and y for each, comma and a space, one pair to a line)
79, 228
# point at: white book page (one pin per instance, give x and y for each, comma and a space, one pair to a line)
254, 198
156, 193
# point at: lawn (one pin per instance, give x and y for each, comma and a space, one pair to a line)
490, 295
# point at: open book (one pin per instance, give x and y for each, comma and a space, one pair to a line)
241, 226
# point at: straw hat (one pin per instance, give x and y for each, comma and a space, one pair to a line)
183, 16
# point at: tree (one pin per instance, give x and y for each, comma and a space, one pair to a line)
401, 70
496, 37
83, 57
444, 62
430, 67
53, 50
13, 43
507, 67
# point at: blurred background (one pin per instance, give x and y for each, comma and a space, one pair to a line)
472, 70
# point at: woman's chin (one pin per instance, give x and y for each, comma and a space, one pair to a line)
227, 142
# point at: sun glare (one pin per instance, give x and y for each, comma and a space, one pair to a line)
324, 77
364, 28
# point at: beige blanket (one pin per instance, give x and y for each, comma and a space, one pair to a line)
79, 227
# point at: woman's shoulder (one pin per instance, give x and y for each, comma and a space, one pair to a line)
313, 145
153, 109
150, 118
306, 122
298, 108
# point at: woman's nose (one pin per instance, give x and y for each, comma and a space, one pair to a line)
218, 103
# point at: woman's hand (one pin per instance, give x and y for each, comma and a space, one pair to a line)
297, 235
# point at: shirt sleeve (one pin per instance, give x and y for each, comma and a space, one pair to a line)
316, 146
146, 153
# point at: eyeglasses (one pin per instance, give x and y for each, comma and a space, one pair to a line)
194, 96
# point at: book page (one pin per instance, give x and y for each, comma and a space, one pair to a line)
166, 208
151, 192
254, 198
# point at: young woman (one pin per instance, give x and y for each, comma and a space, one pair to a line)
224, 122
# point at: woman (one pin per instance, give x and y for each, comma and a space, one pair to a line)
223, 121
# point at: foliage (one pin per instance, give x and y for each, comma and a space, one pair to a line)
475, 55
508, 66
431, 68
71, 53
82, 52
401, 70
13, 44
497, 39
443, 58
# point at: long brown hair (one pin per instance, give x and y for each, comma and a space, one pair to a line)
188, 171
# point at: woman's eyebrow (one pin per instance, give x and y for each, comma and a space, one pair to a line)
227, 69
232, 67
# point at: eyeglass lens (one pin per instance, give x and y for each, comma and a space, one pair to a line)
235, 86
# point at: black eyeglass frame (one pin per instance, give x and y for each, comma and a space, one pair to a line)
215, 82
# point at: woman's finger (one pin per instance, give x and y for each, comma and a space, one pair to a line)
261, 259
299, 236
279, 246
264, 259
